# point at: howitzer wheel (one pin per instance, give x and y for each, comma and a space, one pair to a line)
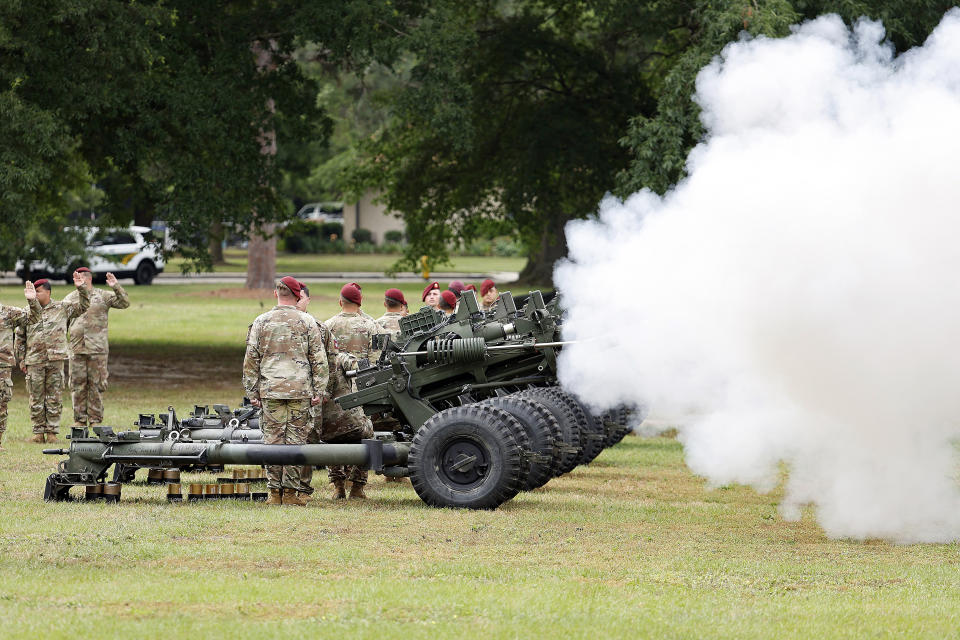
542, 431
563, 410
467, 457
592, 432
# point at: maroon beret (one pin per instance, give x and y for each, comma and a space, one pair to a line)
41, 281
430, 287
351, 292
471, 287
83, 270
456, 286
293, 284
485, 286
449, 297
395, 295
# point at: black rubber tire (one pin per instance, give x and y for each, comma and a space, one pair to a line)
475, 430
541, 430
615, 421
567, 421
592, 433
145, 273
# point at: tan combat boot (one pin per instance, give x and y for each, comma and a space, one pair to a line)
276, 496
339, 491
38, 438
51, 437
356, 491
295, 498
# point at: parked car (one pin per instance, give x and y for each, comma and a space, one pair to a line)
321, 212
127, 253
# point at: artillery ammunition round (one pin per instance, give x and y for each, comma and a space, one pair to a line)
171, 476
173, 492
94, 492
242, 491
211, 492
239, 474
196, 492
155, 476
111, 491
226, 490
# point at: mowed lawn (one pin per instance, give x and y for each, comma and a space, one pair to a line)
632, 545
236, 261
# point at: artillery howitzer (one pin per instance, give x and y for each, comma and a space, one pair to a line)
471, 402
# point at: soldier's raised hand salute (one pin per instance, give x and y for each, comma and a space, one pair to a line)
29, 291
78, 279
111, 279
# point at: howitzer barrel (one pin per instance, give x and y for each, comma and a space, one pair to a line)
240, 435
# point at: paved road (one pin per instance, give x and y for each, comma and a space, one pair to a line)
9, 278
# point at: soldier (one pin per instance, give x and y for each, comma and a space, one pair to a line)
448, 302
332, 424
431, 295
41, 349
12, 318
353, 334
488, 295
457, 287
361, 311
89, 348
389, 322
285, 372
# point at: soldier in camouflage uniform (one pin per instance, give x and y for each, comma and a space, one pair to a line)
331, 423
353, 334
394, 303
12, 318
285, 372
89, 348
41, 350
488, 295
431, 294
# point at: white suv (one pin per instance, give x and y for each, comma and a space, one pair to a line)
127, 253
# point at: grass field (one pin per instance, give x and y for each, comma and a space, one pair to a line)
631, 546
236, 261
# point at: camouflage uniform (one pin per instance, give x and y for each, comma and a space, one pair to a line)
42, 347
88, 353
331, 424
389, 323
11, 318
284, 367
352, 334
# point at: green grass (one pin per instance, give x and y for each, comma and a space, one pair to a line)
236, 261
631, 546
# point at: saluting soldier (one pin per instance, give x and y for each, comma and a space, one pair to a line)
41, 349
285, 372
89, 347
12, 318
354, 335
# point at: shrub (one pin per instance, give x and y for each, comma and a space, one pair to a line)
364, 247
505, 247
328, 229
362, 236
390, 247
393, 237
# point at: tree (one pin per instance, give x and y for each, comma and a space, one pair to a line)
660, 142
513, 117
160, 105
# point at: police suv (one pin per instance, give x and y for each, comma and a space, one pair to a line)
127, 253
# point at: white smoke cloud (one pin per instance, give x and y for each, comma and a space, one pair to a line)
795, 298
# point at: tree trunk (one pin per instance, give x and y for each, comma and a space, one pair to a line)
262, 259
216, 243
262, 250
540, 262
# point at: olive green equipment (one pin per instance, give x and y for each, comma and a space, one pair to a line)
476, 414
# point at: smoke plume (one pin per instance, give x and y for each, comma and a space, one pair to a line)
796, 298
